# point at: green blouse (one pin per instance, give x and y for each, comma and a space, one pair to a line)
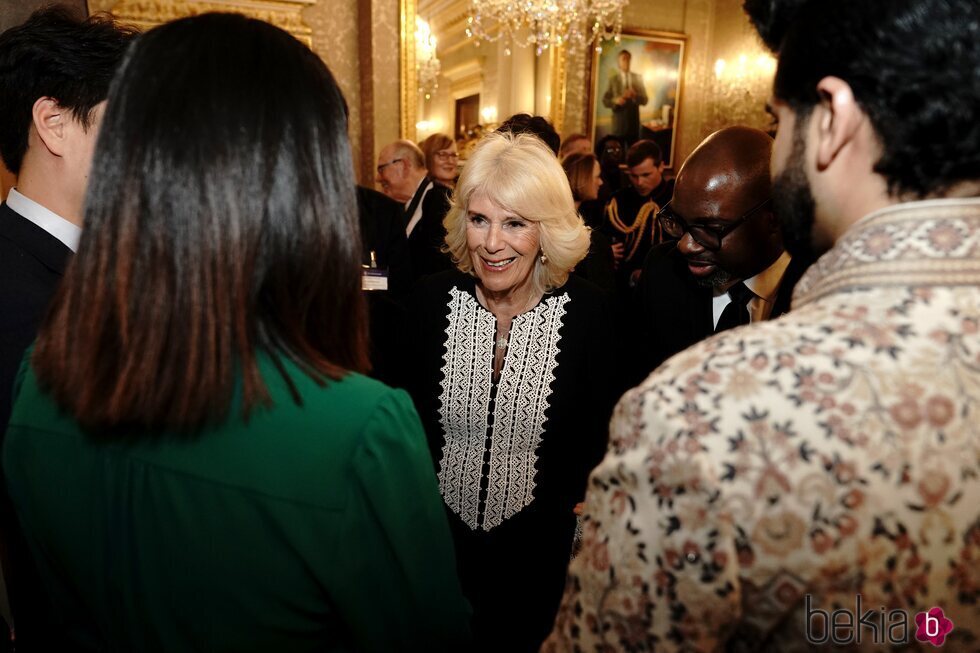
305, 528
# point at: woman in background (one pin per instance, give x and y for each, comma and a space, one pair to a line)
585, 179
514, 379
195, 458
441, 159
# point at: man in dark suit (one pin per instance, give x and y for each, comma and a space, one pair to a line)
403, 177
625, 95
728, 266
54, 77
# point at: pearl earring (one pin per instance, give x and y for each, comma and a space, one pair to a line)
544, 259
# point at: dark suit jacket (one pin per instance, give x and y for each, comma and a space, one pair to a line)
429, 235
625, 117
673, 312
383, 232
32, 262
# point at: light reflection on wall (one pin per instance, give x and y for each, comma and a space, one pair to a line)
739, 89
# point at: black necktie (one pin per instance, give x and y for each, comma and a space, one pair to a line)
737, 311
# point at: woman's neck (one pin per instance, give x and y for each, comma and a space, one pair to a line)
509, 303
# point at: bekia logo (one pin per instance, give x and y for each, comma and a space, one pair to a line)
933, 626
843, 626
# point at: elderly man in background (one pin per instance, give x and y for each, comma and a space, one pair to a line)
403, 177
55, 71
728, 266
815, 479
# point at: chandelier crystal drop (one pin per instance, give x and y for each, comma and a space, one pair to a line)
427, 64
546, 23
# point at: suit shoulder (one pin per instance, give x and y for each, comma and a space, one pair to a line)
439, 194
376, 200
661, 256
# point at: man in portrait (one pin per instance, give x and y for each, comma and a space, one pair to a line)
624, 96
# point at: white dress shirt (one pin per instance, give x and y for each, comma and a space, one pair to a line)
65, 231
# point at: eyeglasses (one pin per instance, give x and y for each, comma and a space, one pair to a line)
706, 236
385, 165
447, 156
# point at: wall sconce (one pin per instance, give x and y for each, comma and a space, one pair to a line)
426, 63
740, 89
489, 115
428, 126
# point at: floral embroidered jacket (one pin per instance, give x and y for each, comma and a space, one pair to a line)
787, 467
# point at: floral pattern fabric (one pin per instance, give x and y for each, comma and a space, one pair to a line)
831, 453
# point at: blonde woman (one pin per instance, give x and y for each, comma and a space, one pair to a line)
512, 379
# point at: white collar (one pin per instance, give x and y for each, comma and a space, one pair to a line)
46, 219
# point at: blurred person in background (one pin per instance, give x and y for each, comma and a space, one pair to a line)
575, 144
441, 159
404, 178
585, 180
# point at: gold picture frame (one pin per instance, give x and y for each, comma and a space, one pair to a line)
658, 59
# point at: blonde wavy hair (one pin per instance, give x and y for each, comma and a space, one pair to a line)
520, 174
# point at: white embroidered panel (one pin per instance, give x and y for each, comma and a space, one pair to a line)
519, 410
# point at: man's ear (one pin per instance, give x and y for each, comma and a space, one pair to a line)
838, 119
51, 124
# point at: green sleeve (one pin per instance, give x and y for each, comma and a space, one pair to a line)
401, 590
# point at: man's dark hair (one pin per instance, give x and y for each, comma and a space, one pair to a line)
524, 123
642, 150
912, 66
221, 225
625, 53
58, 55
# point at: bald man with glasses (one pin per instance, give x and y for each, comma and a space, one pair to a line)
727, 266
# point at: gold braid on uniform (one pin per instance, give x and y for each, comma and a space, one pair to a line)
634, 232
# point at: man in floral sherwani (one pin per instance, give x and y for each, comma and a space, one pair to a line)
828, 460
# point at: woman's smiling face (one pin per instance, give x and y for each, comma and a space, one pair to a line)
503, 247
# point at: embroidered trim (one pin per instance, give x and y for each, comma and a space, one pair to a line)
519, 409
918, 243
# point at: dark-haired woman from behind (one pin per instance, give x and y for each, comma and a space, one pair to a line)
195, 458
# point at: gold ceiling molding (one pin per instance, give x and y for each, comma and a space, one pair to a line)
284, 14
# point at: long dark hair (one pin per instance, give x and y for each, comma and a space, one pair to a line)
220, 222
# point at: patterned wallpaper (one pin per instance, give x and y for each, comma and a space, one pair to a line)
344, 32
335, 39
359, 40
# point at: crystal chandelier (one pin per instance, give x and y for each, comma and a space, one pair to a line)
426, 63
546, 23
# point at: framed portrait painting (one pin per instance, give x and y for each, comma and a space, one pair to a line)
635, 88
